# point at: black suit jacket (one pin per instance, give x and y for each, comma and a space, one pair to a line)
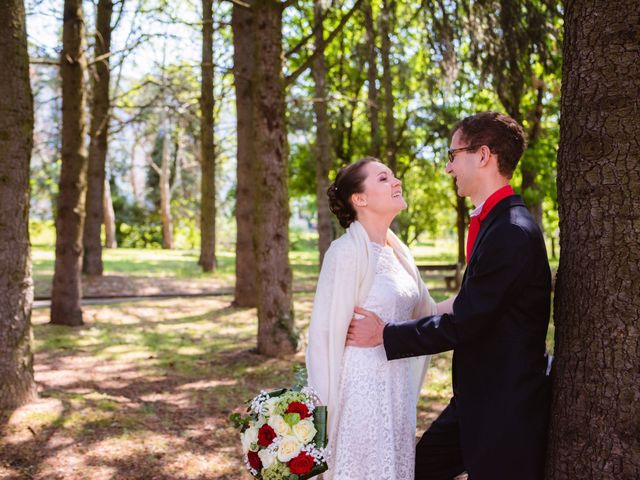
497, 333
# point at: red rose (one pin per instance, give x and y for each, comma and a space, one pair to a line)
299, 408
266, 434
301, 464
254, 460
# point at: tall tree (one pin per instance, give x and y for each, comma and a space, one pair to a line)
207, 146
164, 171
109, 217
243, 57
324, 150
276, 334
387, 17
594, 419
373, 107
67, 282
98, 131
16, 140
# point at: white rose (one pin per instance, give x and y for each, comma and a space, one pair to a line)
249, 436
289, 448
278, 424
267, 457
304, 430
270, 405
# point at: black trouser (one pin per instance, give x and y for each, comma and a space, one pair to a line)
438, 453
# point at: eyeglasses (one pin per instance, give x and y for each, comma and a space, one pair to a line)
452, 153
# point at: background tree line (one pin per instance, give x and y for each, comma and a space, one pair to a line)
281, 96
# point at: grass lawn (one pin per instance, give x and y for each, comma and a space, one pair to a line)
175, 270
144, 390
168, 270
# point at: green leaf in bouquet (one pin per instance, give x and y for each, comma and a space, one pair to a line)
320, 422
291, 418
276, 471
276, 393
316, 470
239, 421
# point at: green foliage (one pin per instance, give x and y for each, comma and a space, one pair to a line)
42, 232
136, 226
448, 60
302, 170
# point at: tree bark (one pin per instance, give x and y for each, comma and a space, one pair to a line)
243, 70
373, 107
67, 282
16, 140
207, 146
109, 218
594, 420
386, 22
324, 150
98, 146
276, 334
165, 191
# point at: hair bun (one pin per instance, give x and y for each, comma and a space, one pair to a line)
340, 208
349, 180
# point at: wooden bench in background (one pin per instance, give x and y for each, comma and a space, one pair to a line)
451, 274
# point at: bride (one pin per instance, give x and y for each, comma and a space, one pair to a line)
371, 402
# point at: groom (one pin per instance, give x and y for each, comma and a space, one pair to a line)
495, 425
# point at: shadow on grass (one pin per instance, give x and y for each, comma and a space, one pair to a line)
144, 391
167, 427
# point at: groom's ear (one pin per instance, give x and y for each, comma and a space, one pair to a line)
486, 156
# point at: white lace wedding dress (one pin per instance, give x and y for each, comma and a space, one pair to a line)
377, 416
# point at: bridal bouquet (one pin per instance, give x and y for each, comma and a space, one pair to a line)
284, 435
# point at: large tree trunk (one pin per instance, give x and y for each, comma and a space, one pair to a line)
207, 146
16, 287
165, 191
323, 136
243, 56
67, 282
92, 260
276, 334
386, 24
594, 420
109, 218
372, 77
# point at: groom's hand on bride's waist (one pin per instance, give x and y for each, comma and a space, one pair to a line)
366, 330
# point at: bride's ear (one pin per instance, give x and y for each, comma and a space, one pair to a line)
359, 200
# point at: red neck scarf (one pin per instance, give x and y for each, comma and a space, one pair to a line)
487, 206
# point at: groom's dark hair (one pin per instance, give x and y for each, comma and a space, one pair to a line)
502, 134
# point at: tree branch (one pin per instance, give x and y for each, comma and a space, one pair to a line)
307, 63
43, 61
306, 39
